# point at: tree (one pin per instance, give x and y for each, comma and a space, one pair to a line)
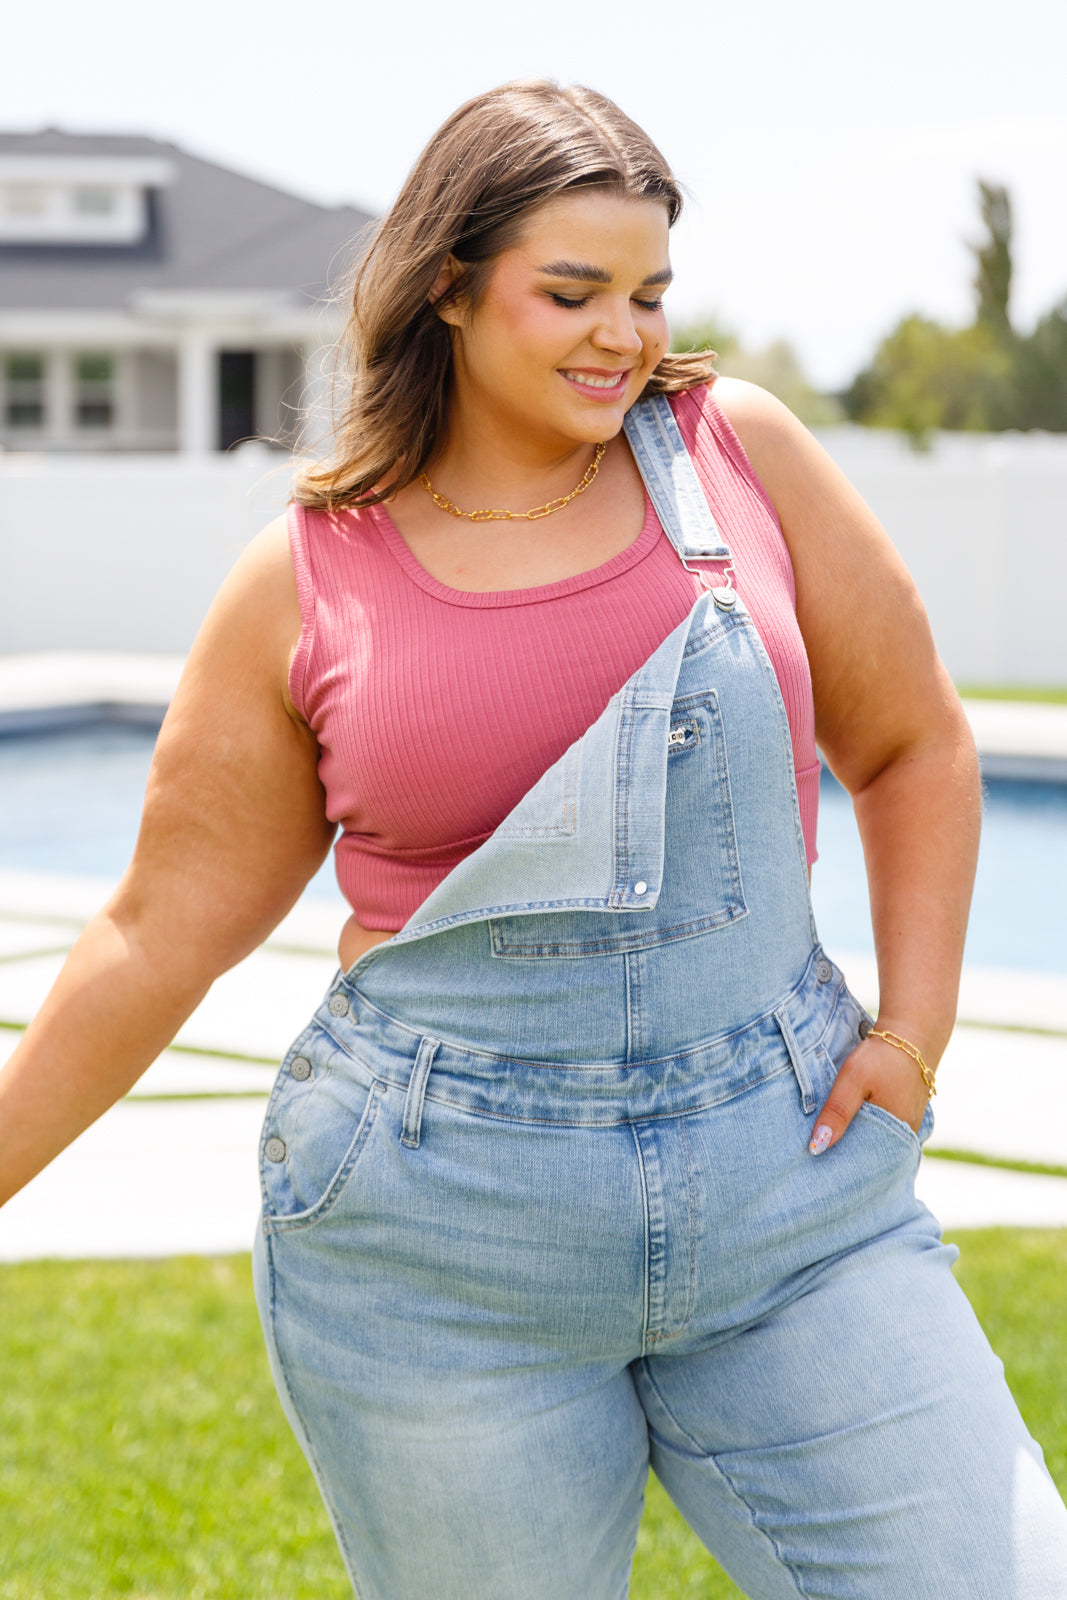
925, 376
1041, 374
986, 377
708, 333
775, 368
992, 279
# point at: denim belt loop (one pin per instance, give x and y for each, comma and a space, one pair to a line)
789, 1038
416, 1094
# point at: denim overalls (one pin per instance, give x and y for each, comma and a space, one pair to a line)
539, 1208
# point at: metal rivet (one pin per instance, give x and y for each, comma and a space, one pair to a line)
725, 599
864, 1028
823, 971
274, 1149
338, 1005
300, 1067
641, 887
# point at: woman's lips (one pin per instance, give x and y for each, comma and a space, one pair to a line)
603, 386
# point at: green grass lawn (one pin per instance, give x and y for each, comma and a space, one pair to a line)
143, 1454
1046, 694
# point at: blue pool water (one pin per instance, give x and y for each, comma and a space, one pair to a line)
69, 802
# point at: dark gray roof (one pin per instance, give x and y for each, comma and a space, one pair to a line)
210, 228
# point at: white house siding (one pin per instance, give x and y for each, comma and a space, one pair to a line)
125, 553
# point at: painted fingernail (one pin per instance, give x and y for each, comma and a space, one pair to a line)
820, 1139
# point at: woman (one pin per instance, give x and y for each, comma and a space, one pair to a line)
589, 1158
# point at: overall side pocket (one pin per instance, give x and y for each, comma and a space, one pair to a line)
317, 1126
824, 1060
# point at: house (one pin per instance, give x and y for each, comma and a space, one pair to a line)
153, 301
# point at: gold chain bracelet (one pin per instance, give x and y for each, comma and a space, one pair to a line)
909, 1050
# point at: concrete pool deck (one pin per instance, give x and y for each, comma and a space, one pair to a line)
172, 1168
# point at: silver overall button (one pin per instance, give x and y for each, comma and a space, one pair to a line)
338, 1005
274, 1149
641, 887
823, 970
300, 1068
725, 599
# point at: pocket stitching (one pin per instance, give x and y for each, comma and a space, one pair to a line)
891, 1122
338, 1183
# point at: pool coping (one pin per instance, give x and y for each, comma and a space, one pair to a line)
49, 690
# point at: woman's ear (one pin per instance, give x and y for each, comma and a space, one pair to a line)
451, 269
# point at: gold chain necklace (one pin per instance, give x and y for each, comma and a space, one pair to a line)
444, 504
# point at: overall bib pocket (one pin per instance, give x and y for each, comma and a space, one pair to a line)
319, 1120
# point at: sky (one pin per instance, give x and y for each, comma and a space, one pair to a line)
830, 149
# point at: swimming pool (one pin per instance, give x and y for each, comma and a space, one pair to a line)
70, 800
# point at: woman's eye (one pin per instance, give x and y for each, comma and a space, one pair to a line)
650, 305
573, 305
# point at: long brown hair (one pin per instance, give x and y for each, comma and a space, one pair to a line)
493, 162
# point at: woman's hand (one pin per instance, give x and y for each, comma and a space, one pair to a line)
877, 1072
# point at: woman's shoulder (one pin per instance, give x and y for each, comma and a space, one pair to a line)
774, 441
735, 431
262, 583
753, 415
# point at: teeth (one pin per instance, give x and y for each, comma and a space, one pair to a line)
589, 382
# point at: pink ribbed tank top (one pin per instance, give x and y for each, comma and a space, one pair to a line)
437, 709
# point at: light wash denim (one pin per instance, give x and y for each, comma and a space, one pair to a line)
539, 1208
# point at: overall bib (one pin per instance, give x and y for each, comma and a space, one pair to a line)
538, 1207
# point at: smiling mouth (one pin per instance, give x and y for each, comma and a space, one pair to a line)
610, 382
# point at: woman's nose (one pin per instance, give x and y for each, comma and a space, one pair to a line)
616, 331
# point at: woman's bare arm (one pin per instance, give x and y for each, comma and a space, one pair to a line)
893, 731
234, 825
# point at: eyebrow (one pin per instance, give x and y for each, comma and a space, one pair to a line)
584, 272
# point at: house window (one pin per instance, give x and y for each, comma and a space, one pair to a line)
25, 199
24, 391
94, 392
92, 200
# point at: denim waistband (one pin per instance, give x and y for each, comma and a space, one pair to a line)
591, 1092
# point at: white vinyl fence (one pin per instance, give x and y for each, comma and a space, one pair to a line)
125, 553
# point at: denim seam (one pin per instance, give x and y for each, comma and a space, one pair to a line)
623, 769
615, 1122
645, 1285
894, 1125
631, 989
722, 1041
565, 829
717, 1040
619, 944
656, 440
306, 1444
690, 1293
714, 633
786, 744
712, 1461
729, 844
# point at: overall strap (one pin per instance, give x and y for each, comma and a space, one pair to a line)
672, 482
